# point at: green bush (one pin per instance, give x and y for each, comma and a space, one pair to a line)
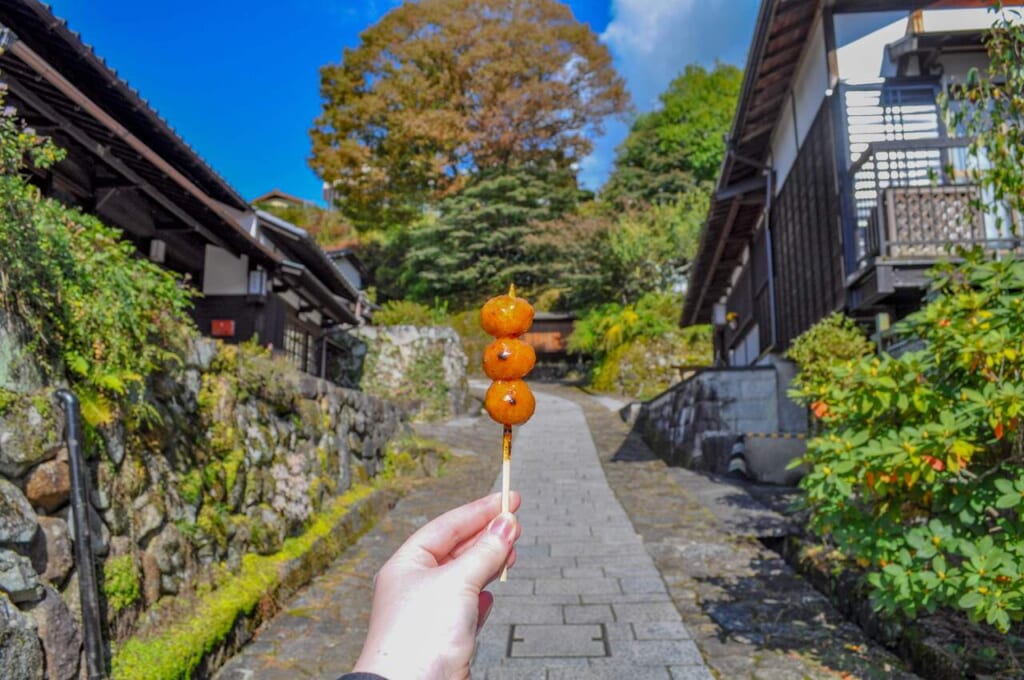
92, 307
647, 366
638, 349
833, 340
409, 313
919, 476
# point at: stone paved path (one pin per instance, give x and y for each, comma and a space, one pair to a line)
584, 599
590, 597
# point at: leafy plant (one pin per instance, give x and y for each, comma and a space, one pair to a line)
988, 108
919, 477
93, 308
408, 312
834, 340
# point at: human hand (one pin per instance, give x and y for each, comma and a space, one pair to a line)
429, 600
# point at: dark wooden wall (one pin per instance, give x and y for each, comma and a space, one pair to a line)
806, 240
263, 319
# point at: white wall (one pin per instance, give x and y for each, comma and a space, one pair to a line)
860, 43
223, 273
809, 88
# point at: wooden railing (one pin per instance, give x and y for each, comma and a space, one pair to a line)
914, 200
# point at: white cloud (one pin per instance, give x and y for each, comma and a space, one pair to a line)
652, 41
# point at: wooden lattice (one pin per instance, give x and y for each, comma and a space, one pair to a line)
926, 221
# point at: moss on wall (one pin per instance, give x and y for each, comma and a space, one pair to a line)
173, 652
121, 582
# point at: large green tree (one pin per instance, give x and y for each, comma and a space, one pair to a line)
478, 240
678, 146
440, 90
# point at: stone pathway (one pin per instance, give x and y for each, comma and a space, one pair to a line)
625, 570
584, 600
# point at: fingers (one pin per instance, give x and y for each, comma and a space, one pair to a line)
483, 609
458, 528
485, 558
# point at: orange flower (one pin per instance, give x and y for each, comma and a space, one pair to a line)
820, 410
936, 464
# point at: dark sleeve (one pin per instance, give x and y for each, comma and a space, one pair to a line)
362, 676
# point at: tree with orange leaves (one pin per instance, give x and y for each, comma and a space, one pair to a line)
439, 90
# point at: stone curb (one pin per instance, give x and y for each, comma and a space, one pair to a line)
298, 572
848, 593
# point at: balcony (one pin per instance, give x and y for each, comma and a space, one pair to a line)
914, 205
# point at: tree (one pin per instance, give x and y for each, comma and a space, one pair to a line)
679, 146
478, 241
328, 227
440, 90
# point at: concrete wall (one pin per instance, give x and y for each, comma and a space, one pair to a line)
696, 423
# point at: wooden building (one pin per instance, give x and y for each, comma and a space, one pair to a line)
841, 184
259, 277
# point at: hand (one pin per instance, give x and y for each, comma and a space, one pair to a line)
429, 600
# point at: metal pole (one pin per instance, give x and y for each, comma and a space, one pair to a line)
94, 660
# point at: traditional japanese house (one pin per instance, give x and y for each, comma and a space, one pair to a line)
841, 185
126, 165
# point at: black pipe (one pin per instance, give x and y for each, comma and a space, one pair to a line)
83, 539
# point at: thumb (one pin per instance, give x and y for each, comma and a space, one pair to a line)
479, 564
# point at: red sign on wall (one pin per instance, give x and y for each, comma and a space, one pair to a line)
222, 328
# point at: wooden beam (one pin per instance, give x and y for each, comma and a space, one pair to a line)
734, 208
64, 86
103, 153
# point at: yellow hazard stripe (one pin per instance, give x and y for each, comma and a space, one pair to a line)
775, 435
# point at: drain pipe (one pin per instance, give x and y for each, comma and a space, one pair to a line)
83, 539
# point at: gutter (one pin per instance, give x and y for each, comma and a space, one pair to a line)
302, 237
298, 276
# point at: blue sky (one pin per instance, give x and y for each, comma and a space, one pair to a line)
239, 79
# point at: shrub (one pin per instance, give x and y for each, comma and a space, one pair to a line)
919, 476
407, 312
91, 306
637, 349
833, 340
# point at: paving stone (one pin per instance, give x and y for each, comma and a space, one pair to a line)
691, 673
592, 613
613, 672
660, 630
654, 652
565, 641
645, 612
641, 585
626, 598
583, 572
580, 586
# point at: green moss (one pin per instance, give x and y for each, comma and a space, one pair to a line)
7, 400
190, 486
232, 464
177, 649
212, 523
121, 582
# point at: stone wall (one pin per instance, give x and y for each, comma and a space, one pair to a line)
696, 423
423, 368
239, 453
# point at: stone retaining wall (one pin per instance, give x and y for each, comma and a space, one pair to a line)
238, 454
696, 423
423, 368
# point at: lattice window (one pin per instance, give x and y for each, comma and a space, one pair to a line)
296, 343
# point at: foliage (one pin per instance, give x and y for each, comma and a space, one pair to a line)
592, 257
121, 582
477, 244
407, 312
611, 325
920, 476
174, 651
644, 367
109, 317
989, 109
440, 90
474, 338
328, 227
678, 147
833, 340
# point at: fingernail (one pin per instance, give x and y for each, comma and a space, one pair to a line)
503, 526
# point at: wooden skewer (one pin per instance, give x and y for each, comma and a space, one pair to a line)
506, 478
